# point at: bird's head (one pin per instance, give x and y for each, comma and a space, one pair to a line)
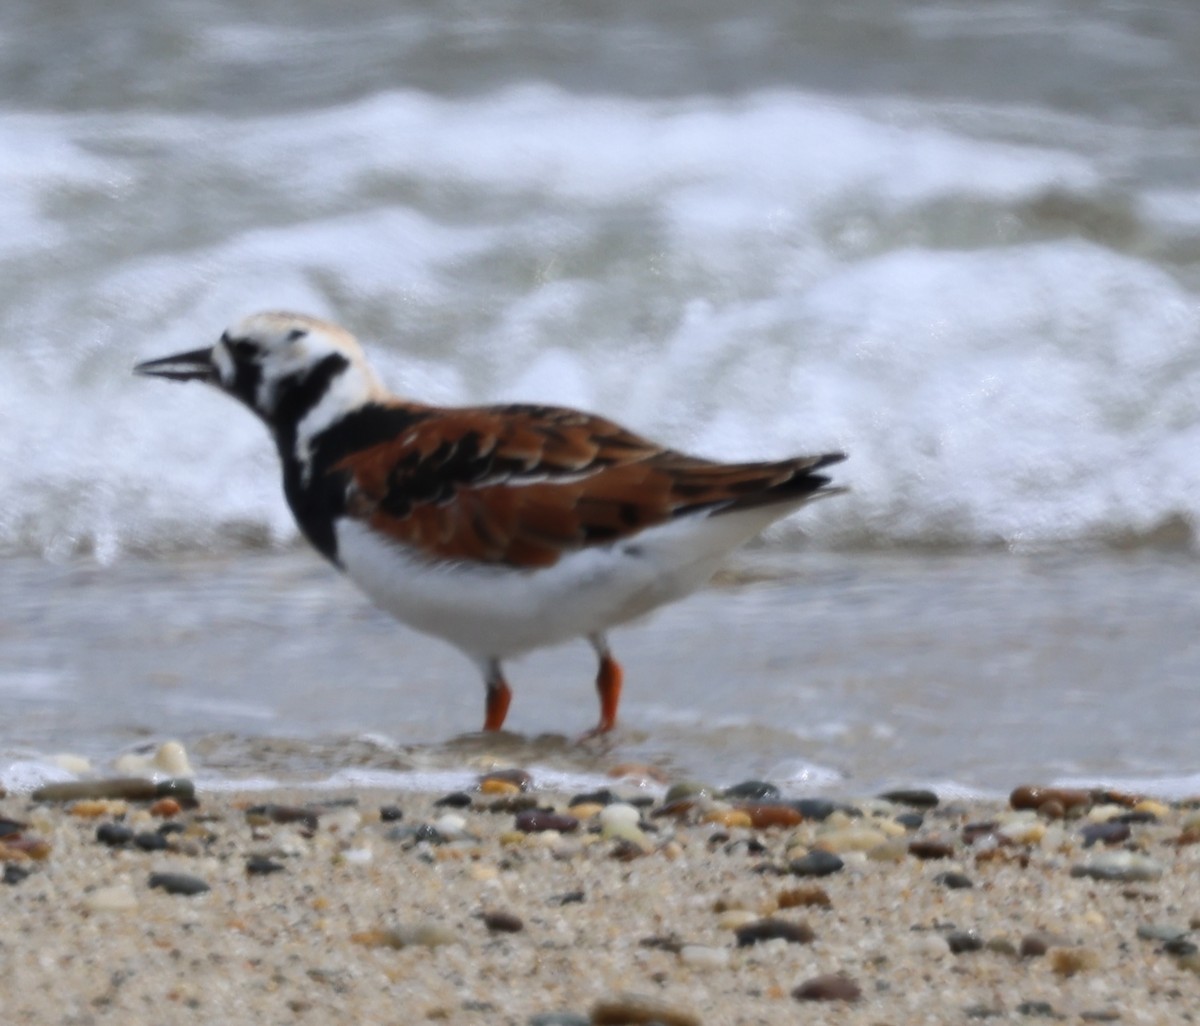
283, 366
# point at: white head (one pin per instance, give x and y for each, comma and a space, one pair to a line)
297, 373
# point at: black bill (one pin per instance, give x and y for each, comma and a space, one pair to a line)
194, 366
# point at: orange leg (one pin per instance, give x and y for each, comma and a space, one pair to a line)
499, 695
608, 686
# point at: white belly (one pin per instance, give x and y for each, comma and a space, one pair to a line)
498, 612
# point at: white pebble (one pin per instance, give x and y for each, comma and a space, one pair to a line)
115, 898
619, 813
75, 764
171, 759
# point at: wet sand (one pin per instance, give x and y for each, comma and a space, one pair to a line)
377, 907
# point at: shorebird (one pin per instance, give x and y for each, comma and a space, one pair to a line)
500, 529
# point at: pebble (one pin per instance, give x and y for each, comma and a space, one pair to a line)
499, 921
559, 1019
773, 929
1071, 961
700, 956
1126, 866
816, 809
178, 883
1161, 932
763, 816
751, 791
629, 1009
260, 865
910, 820
514, 778
14, 872
917, 798
1065, 798
851, 838
453, 800
1110, 832
451, 827
963, 941
150, 840
686, 789
616, 813
1041, 1009
893, 850
955, 881
533, 821
115, 835
829, 987
11, 827
811, 896
931, 848
114, 898
815, 863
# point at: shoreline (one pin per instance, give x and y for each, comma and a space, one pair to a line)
503, 904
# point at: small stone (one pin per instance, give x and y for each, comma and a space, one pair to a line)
115, 898
1041, 1009
850, 838
166, 808
11, 827
917, 798
638, 773
773, 929
1034, 945
963, 941
1152, 808
930, 945
534, 821
1100, 1015
94, 808
1001, 946
815, 809
502, 922
393, 813
115, 835
260, 865
150, 840
931, 848
1070, 961
171, 758
178, 883
619, 813
829, 987
559, 1019
731, 819
568, 898
1161, 931
955, 881
15, 872
629, 1009
129, 788
686, 789
763, 816
910, 820
1033, 797
736, 918
1110, 833
751, 791
451, 827
601, 797
516, 778
422, 935
700, 956
982, 1012
1181, 948
1126, 866
811, 896
816, 863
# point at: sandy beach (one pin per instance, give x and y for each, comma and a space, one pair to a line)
509, 904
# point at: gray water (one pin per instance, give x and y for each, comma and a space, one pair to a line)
959, 240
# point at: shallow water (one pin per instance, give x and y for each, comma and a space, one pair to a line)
822, 672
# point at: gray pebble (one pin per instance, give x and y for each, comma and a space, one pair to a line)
178, 883
1126, 866
816, 863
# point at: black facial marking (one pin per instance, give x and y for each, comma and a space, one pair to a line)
296, 333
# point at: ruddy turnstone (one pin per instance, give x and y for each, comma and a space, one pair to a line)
500, 529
